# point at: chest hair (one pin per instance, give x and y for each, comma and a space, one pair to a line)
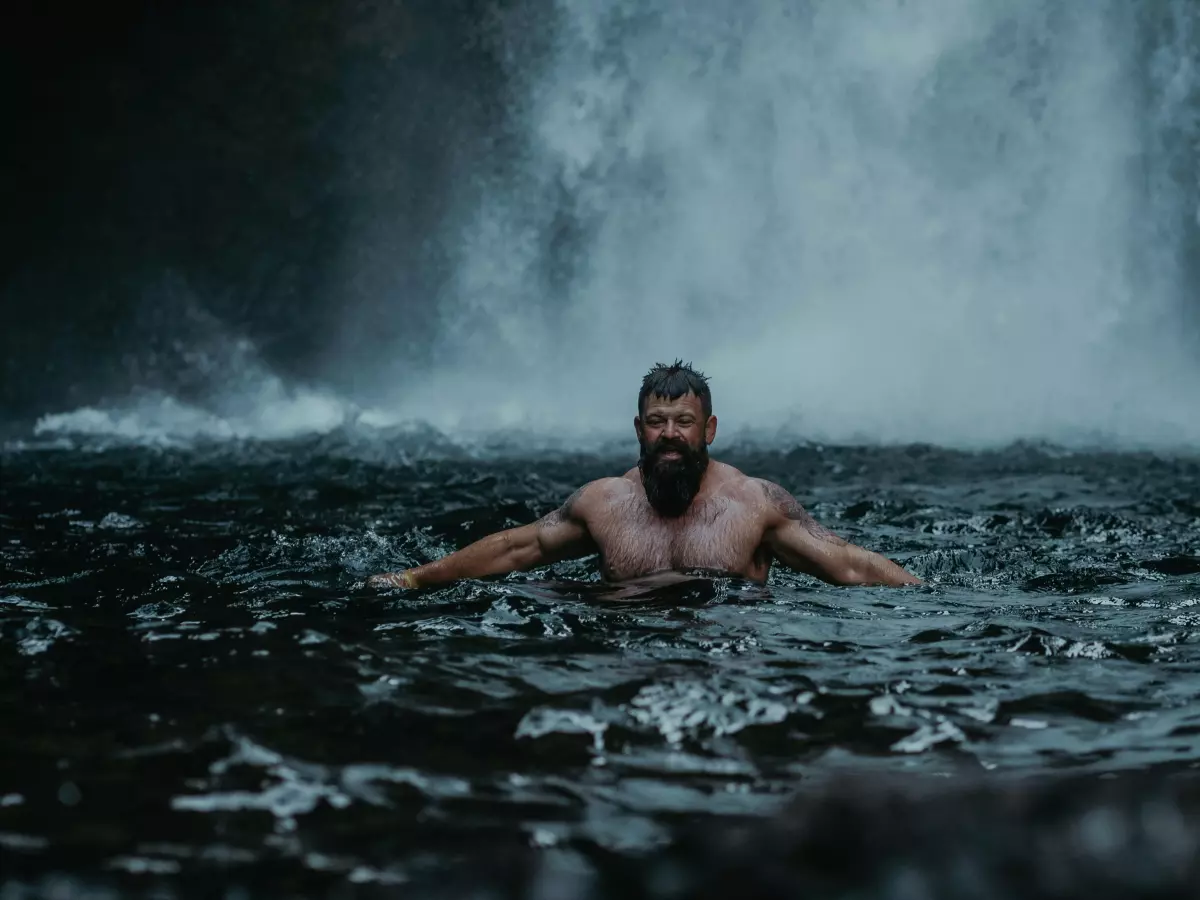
716, 533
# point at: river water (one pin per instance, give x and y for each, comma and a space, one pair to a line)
199, 696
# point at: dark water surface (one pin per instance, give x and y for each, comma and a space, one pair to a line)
197, 694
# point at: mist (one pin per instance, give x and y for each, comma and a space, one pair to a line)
865, 221
959, 223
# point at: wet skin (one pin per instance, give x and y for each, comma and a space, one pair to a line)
735, 524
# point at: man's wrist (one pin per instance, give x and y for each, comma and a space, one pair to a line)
406, 580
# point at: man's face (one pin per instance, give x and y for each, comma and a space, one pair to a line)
674, 436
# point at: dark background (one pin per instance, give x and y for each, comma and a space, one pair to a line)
159, 153
171, 171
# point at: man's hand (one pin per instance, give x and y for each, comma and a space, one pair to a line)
803, 544
404, 579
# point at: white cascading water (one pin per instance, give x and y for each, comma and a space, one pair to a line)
947, 221
920, 220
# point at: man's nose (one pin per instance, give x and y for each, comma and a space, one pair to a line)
669, 430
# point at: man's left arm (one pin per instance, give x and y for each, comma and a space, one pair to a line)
801, 543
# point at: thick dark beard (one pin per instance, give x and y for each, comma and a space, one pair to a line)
672, 484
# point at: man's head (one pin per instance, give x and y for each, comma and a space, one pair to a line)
674, 426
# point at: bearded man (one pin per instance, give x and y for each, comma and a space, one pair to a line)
676, 510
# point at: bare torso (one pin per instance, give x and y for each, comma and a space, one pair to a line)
733, 524
723, 529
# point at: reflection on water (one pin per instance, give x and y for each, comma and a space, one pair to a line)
199, 692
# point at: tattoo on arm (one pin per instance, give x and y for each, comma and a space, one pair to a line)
563, 513
790, 507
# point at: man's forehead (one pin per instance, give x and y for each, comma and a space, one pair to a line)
688, 402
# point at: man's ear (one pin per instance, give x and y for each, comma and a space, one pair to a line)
710, 429
637, 427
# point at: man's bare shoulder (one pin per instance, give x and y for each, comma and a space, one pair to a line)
775, 498
778, 503
728, 481
726, 475
595, 495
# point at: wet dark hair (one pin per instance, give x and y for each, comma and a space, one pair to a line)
673, 382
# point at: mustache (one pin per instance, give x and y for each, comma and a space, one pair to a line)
662, 447
664, 444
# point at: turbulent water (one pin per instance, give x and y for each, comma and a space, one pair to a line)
199, 693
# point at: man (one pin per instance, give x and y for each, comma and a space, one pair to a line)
675, 510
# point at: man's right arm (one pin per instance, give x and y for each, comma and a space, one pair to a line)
561, 534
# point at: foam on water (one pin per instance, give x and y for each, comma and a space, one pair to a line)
161, 419
200, 380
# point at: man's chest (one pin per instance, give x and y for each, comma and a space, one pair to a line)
716, 534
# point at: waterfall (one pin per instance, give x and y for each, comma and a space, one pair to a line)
894, 220
963, 222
